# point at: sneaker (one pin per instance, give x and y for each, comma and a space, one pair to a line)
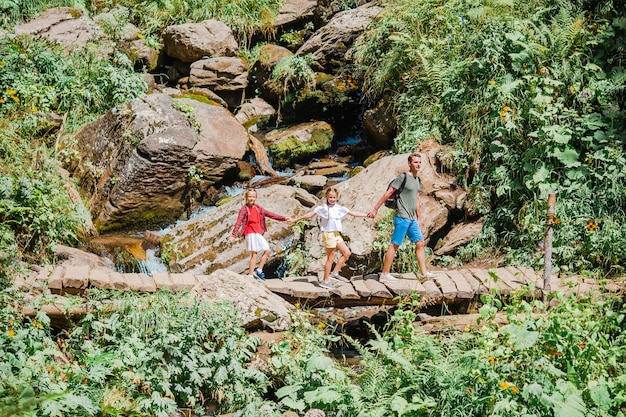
338, 277
259, 274
252, 277
328, 285
428, 274
387, 278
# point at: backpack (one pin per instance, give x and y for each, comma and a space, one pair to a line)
392, 201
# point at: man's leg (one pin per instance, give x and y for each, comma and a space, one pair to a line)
420, 254
391, 253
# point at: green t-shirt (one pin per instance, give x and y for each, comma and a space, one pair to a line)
407, 201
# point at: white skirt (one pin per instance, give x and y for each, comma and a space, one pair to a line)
256, 242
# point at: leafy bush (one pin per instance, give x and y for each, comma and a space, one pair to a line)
565, 361
138, 356
529, 95
36, 212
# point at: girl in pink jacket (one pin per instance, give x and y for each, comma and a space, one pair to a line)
251, 223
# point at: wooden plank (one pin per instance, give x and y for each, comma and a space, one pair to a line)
117, 281
162, 280
308, 290
531, 277
99, 278
140, 282
183, 281
306, 278
27, 282
518, 275
409, 275
345, 290
510, 280
463, 289
377, 288
433, 293
279, 286
358, 282
405, 287
76, 277
474, 284
487, 280
448, 289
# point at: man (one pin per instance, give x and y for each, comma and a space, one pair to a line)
406, 218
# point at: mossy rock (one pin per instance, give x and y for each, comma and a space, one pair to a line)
299, 142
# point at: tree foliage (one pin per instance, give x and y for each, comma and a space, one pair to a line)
530, 96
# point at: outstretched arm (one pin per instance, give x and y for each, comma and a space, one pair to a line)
357, 214
380, 202
304, 216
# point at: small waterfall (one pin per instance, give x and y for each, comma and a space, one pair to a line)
152, 264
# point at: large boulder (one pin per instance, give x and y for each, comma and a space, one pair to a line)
142, 161
202, 245
330, 44
299, 142
260, 308
65, 25
379, 125
190, 42
293, 13
261, 83
226, 76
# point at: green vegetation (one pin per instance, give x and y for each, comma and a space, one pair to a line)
156, 354
531, 97
44, 94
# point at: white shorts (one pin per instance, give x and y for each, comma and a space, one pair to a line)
256, 242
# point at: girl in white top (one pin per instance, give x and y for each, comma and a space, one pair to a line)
331, 214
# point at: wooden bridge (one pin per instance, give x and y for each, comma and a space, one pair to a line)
448, 287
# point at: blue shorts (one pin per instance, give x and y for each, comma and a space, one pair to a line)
404, 227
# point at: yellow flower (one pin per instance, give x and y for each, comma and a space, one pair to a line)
491, 359
39, 325
2, 101
504, 385
506, 109
321, 325
15, 99
492, 81
297, 305
11, 92
33, 108
591, 225
11, 333
515, 389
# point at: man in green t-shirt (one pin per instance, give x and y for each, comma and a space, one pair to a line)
406, 218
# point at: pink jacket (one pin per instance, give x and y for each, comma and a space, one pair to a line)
242, 219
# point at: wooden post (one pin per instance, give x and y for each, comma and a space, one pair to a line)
547, 246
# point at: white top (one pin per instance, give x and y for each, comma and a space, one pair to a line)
331, 217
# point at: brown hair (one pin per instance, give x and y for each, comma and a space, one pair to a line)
414, 155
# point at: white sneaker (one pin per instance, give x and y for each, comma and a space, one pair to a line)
327, 285
387, 278
428, 274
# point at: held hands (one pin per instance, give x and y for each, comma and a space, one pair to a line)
372, 213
